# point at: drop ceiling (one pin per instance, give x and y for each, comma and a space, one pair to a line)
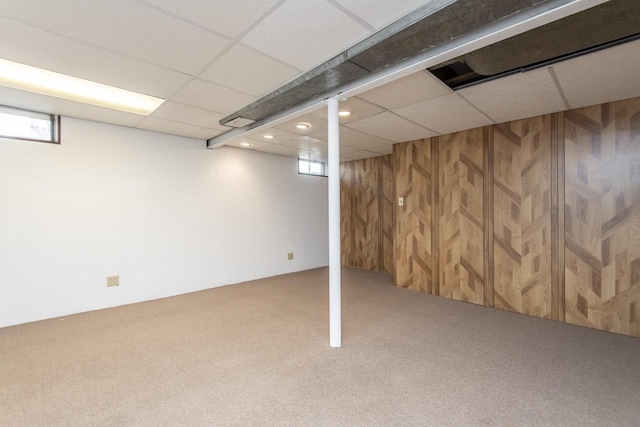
208, 58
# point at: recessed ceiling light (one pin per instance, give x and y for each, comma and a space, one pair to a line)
246, 144
44, 82
303, 126
344, 113
268, 136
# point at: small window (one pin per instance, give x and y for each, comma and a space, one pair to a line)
311, 167
30, 125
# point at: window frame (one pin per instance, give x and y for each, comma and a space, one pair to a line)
323, 174
55, 126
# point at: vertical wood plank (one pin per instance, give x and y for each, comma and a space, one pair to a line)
435, 215
346, 213
386, 214
381, 215
602, 217
366, 214
461, 183
522, 216
412, 171
561, 217
557, 216
488, 216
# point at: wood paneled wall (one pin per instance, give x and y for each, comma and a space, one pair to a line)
366, 214
602, 217
461, 199
347, 230
413, 261
522, 216
366, 202
539, 216
387, 262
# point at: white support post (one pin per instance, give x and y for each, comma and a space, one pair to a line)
335, 296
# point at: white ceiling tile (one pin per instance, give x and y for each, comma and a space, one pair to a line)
283, 150
223, 16
123, 26
189, 115
362, 154
279, 136
407, 90
167, 126
305, 33
307, 143
212, 96
43, 49
316, 146
391, 127
51, 105
316, 124
249, 71
359, 110
253, 145
355, 139
383, 149
517, 96
346, 149
379, 13
206, 133
600, 77
447, 114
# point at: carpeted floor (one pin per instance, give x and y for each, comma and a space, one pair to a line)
258, 354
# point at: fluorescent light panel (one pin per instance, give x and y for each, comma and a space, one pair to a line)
32, 79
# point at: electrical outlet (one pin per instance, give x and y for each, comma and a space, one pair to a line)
400, 201
113, 281
290, 256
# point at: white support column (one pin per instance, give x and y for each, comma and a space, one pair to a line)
335, 296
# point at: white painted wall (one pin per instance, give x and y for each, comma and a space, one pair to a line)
161, 211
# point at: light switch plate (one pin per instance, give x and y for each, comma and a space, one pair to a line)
400, 201
290, 256
113, 281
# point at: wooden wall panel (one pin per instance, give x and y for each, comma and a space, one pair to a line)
602, 217
488, 240
346, 214
386, 262
539, 216
461, 216
522, 216
413, 179
557, 217
366, 214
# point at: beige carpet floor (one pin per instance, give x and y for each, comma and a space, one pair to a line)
257, 354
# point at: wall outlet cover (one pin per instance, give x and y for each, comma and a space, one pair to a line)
113, 281
290, 256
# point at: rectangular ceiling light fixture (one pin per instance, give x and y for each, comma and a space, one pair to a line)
32, 79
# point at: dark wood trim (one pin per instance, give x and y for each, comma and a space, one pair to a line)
488, 134
557, 216
435, 215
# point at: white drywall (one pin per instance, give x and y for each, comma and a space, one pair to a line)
161, 211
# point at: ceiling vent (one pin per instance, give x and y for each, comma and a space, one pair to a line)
601, 27
431, 25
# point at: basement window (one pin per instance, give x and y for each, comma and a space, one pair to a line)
28, 125
311, 167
